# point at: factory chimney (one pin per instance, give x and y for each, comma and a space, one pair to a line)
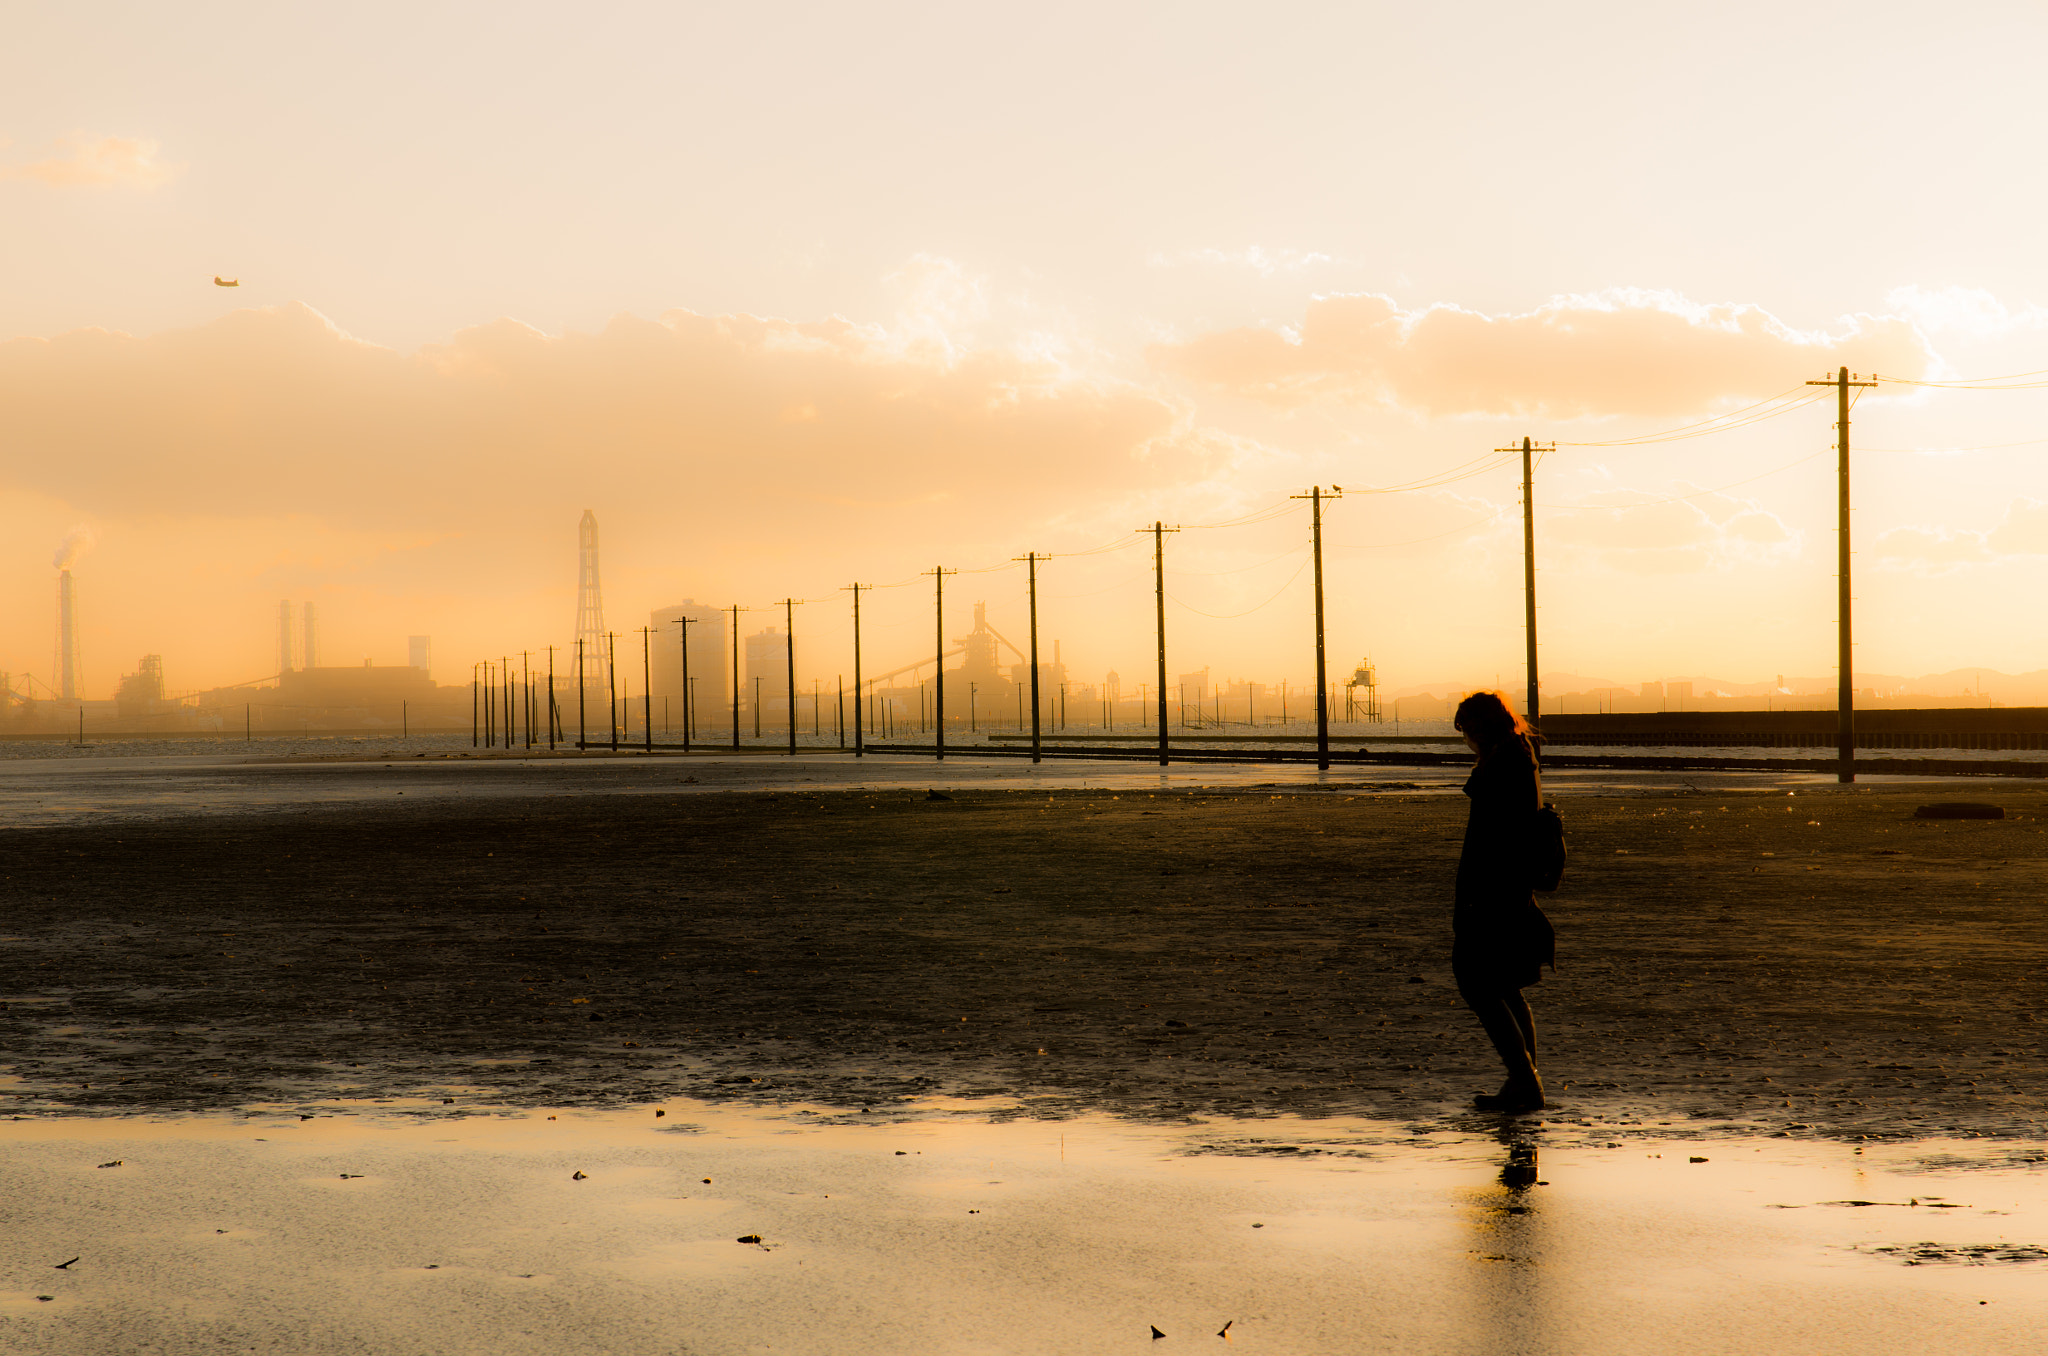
75, 543
67, 637
311, 650
284, 637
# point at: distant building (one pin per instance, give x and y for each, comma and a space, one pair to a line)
710, 664
142, 691
767, 658
419, 653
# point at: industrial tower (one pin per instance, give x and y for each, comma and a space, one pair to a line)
589, 601
67, 637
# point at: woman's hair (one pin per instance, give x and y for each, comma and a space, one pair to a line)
1488, 718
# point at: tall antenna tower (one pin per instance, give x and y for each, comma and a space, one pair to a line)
589, 600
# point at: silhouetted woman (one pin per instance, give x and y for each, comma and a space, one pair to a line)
1500, 938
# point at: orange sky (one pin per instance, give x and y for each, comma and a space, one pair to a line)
795, 298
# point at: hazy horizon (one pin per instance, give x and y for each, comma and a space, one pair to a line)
793, 302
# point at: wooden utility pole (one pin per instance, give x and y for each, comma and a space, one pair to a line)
939, 574
1315, 506
1159, 531
789, 606
689, 708
611, 685
1845, 691
859, 747
475, 710
736, 609
582, 701
1031, 559
551, 699
647, 685
1533, 710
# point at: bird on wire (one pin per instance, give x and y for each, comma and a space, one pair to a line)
219, 281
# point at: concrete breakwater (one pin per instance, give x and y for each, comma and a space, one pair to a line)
1992, 728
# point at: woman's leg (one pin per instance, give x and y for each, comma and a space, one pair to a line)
1518, 1006
1502, 1013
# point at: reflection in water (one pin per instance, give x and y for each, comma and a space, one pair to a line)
1508, 1302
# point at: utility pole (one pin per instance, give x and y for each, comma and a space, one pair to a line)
475, 709
551, 699
736, 609
1315, 507
859, 748
1159, 531
789, 606
647, 685
939, 574
1845, 694
1031, 559
1533, 710
683, 627
757, 706
526, 686
611, 684
582, 702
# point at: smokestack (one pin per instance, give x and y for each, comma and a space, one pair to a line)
74, 545
67, 637
310, 653
284, 637
419, 652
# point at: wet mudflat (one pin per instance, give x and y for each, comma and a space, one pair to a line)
720, 1230
1734, 960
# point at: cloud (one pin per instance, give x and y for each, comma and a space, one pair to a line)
1637, 532
86, 161
1615, 353
751, 428
1970, 312
1937, 550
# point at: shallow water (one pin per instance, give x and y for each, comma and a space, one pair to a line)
426, 1229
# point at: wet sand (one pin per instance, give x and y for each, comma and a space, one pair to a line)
715, 1231
1733, 959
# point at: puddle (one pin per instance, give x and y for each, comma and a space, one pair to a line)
422, 1226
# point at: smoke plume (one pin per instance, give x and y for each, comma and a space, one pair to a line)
76, 543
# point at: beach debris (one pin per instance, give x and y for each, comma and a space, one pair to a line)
936, 795
345, 1176
1417, 979
64, 1266
1959, 809
1156, 1334
579, 1175
305, 1116
659, 1112
1695, 1160
447, 1101
114, 1163
748, 1238
1224, 1331
46, 1298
